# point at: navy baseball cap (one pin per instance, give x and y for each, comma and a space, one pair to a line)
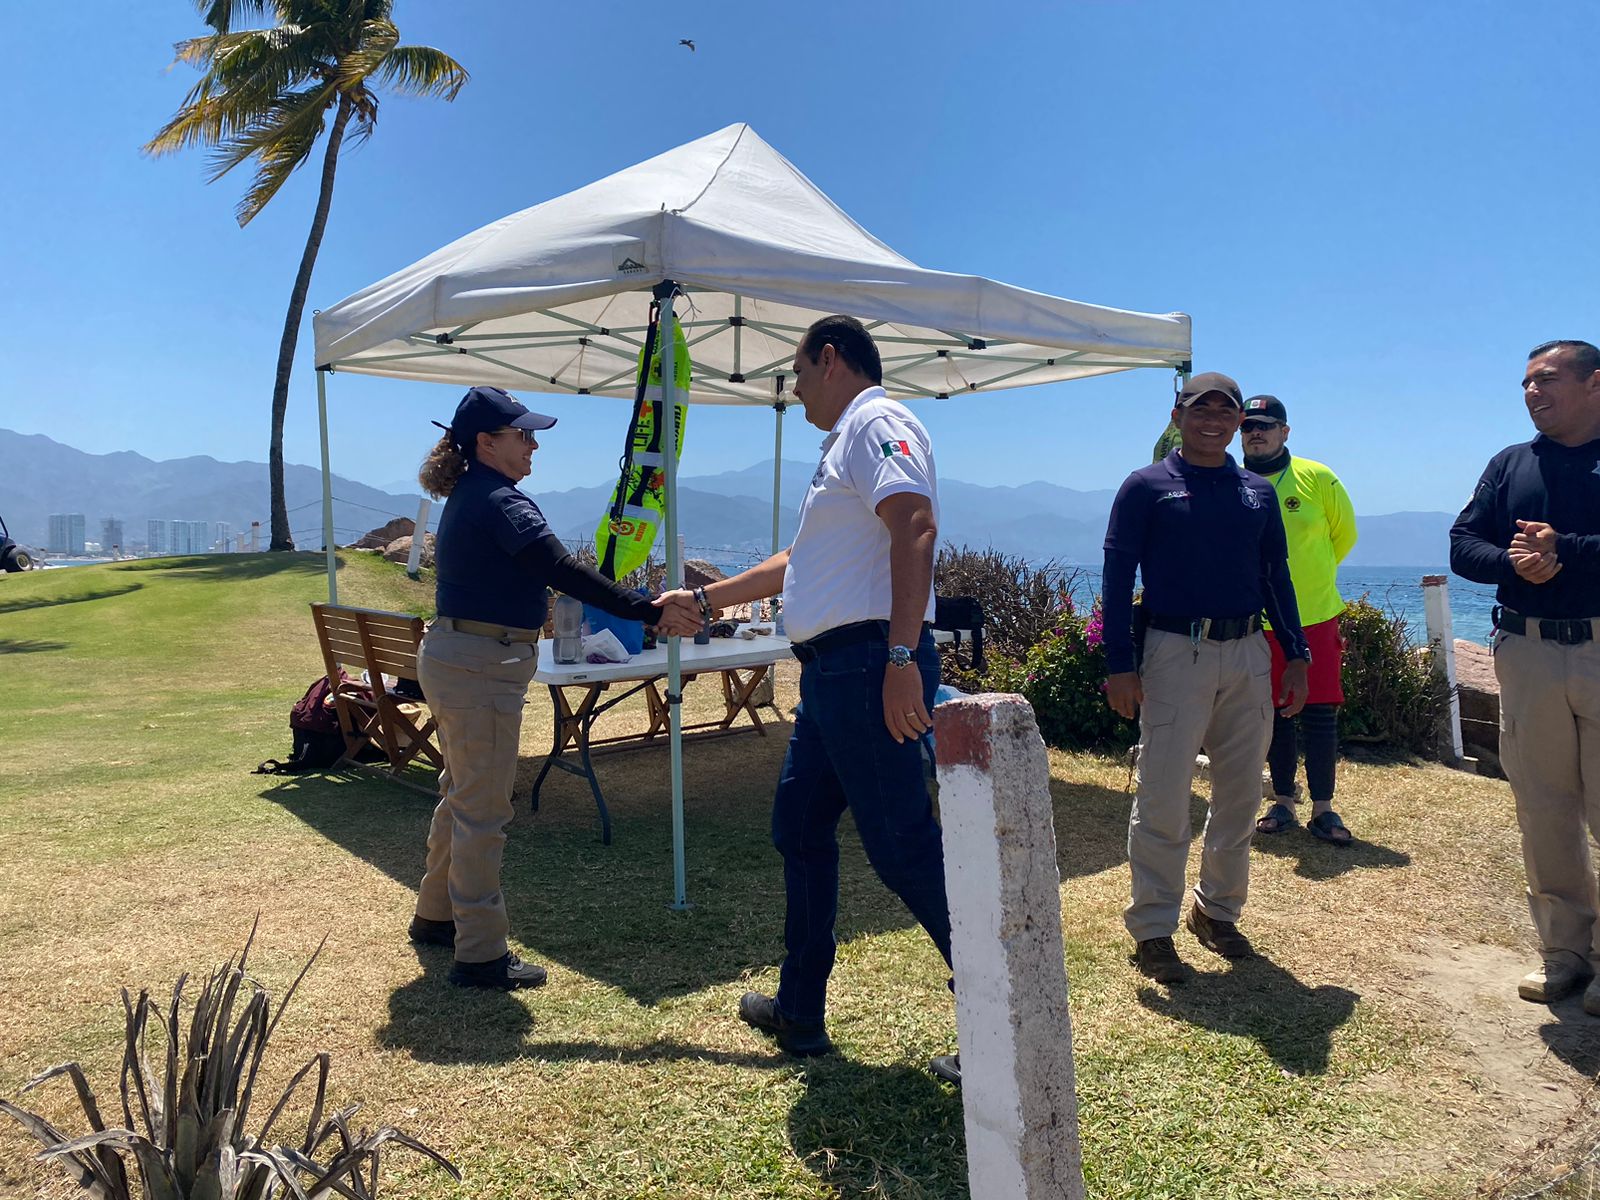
1205, 384
1266, 408
486, 409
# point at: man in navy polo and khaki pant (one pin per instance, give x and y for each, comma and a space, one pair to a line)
1208, 540
858, 597
1533, 527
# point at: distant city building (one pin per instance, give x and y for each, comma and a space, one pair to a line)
111, 539
67, 533
224, 532
156, 537
190, 537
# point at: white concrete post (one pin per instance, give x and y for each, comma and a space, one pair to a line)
1015, 1033
1441, 636
418, 536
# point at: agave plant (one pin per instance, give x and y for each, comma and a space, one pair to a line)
185, 1127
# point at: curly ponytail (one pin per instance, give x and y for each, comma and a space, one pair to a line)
440, 470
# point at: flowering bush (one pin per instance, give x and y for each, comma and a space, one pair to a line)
1063, 677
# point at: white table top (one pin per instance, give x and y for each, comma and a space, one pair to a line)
720, 654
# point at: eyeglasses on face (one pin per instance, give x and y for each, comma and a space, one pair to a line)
526, 435
1253, 425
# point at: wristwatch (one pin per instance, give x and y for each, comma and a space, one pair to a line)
901, 656
705, 605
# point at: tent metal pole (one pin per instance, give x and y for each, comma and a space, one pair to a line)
327, 488
777, 467
669, 413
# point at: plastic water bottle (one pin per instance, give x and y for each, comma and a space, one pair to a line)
777, 615
569, 629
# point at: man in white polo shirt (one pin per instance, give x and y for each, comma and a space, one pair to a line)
858, 596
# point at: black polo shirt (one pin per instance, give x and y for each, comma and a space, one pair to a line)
1207, 542
487, 522
1545, 481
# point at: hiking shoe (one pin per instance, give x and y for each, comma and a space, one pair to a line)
432, 933
946, 1067
1220, 937
803, 1039
1560, 975
1591, 999
1157, 959
507, 973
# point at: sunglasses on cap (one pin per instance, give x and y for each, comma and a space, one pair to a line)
1255, 423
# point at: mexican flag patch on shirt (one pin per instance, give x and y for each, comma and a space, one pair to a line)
890, 449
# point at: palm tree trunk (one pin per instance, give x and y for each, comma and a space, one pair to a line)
291, 329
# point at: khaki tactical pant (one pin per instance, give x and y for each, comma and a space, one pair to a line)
476, 687
1550, 748
1212, 694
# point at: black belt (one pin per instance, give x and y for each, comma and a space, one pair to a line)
1211, 629
1565, 631
846, 635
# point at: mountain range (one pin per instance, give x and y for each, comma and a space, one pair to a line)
727, 516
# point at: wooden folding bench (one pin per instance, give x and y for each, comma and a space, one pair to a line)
380, 643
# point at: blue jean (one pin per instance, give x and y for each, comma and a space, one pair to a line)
841, 756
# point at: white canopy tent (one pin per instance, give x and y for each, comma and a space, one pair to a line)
745, 252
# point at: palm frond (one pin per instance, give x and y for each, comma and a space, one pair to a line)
422, 71
247, 73
373, 42
223, 15
279, 144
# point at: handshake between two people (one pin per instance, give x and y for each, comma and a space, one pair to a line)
680, 613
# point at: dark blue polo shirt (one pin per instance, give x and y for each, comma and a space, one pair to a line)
486, 522
1207, 541
1544, 481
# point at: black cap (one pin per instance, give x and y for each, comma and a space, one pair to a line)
1205, 384
486, 409
1266, 408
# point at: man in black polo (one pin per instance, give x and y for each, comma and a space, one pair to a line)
1533, 527
1207, 538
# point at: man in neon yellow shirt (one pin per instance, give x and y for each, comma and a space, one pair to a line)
1321, 526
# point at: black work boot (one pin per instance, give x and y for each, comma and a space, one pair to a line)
803, 1039
432, 933
1220, 937
507, 973
1157, 959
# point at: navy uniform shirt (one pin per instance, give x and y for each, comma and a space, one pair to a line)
1207, 541
1545, 481
486, 523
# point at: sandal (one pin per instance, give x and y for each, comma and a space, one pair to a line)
1277, 819
1329, 828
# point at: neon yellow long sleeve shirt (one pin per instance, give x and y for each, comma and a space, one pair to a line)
1321, 524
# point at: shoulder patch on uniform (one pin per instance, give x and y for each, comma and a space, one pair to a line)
890, 449
1292, 503
1248, 495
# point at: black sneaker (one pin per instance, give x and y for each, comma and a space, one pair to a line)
803, 1039
947, 1067
1220, 937
432, 933
1157, 959
507, 973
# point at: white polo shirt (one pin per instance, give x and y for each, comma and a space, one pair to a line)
838, 569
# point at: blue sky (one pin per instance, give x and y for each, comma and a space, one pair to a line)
1371, 210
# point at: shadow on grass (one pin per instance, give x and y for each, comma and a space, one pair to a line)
1572, 1036
1258, 999
1091, 827
440, 1023
604, 911
1320, 860
12, 646
227, 567
20, 605
879, 1131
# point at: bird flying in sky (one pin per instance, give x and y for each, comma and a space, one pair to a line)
686, 42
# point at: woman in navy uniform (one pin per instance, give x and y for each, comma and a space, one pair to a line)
495, 558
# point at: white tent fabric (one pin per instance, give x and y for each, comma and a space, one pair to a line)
554, 298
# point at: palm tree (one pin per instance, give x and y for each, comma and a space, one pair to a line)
265, 94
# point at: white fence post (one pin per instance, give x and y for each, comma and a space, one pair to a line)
1441, 636
418, 536
1017, 1085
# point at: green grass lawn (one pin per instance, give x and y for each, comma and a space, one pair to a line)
138, 845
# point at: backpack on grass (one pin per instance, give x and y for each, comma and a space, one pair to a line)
319, 741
